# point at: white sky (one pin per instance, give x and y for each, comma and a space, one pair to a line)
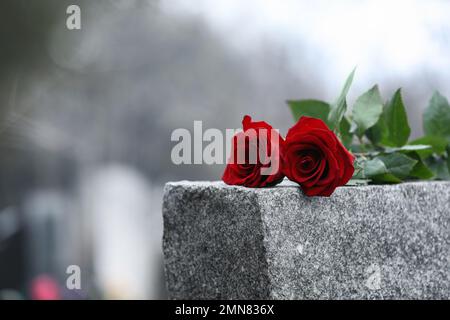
383, 38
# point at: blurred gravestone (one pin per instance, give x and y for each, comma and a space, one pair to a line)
125, 238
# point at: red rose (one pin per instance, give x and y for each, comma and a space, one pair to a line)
255, 159
315, 158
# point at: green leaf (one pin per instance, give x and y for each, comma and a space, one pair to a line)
448, 158
339, 107
365, 148
439, 167
311, 108
396, 120
386, 178
378, 132
344, 133
398, 164
374, 167
408, 147
420, 170
367, 110
437, 144
367, 168
436, 118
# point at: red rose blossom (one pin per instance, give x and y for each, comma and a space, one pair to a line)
315, 158
247, 165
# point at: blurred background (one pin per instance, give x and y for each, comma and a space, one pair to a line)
86, 115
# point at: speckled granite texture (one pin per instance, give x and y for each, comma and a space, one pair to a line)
371, 242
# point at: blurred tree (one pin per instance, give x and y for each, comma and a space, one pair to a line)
24, 30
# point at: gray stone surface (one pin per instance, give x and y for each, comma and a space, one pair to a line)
371, 242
